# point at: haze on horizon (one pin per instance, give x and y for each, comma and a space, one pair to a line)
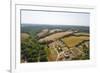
52, 18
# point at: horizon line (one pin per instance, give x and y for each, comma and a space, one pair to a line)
51, 24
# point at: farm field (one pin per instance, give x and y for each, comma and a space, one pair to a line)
72, 41
44, 43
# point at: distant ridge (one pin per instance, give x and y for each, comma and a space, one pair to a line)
26, 24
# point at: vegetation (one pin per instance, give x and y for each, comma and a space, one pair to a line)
74, 40
56, 46
32, 51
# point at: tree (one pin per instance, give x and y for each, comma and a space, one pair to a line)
32, 51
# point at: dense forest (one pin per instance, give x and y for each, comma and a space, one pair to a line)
32, 51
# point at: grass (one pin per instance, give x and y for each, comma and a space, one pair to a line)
81, 34
74, 40
51, 53
55, 36
24, 36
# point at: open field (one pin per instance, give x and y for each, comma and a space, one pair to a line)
55, 36
54, 43
72, 41
24, 35
81, 34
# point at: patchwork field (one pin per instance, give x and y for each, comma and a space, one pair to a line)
54, 43
72, 41
55, 36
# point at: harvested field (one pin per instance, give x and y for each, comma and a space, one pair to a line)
24, 36
74, 40
55, 36
81, 34
52, 54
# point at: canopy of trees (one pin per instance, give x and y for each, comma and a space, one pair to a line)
32, 51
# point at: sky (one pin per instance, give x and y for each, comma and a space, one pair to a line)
55, 18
